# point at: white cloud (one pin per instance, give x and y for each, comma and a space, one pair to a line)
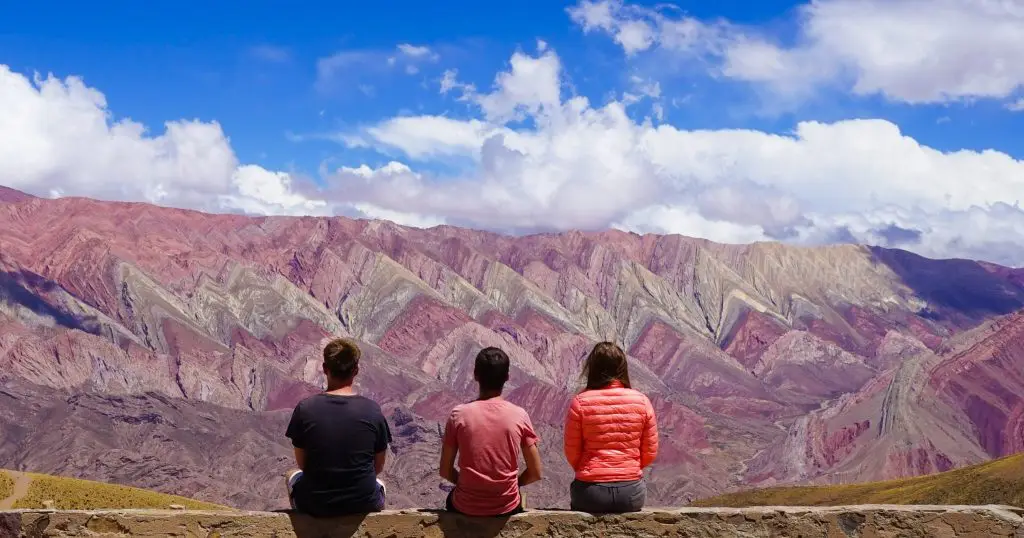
914, 51
571, 164
255, 190
1017, 106
353, 68
579, 166
634, 36
450, 82
431, 136
529, 87
418, 51
412, 50
57, 137
642, 89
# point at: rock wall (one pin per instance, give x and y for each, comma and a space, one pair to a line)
839, 522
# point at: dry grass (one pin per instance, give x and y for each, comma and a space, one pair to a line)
75, 494
6, 485
996, 482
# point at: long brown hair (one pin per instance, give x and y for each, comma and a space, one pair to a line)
606, 363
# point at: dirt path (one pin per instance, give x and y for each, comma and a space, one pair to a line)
21, 483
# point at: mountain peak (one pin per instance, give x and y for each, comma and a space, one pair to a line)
13, 196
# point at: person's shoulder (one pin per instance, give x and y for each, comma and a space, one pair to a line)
464, 409
370, 404
516, 410
610, 396
524, 416
309, 401
460, 413
638, 396
591, 395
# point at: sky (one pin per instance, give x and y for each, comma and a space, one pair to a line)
897, 123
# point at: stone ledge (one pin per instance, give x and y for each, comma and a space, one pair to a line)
831, 522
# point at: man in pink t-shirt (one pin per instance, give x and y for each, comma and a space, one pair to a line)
487, 435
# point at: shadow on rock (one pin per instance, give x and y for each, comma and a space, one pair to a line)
457, 526
334, 527
451, 525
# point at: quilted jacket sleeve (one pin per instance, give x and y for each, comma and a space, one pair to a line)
573, 434
649, 439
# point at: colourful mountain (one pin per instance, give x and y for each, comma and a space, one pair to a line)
165, 348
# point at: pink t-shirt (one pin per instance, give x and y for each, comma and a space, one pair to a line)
488, 435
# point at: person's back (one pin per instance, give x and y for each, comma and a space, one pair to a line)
613, 429
487, 437
489, 434
340, 441
611, 435
341, 436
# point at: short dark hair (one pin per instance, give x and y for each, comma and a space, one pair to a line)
491, 368
606, 363
341, 358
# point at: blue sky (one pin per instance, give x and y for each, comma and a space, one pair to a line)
293, 85
208, 60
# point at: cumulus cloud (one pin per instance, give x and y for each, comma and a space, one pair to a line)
256, 190
421, 137
531, 86
58, 138
914, 51
633, 34
577, 165
538, 158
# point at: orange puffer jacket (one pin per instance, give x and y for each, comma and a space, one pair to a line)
611, 434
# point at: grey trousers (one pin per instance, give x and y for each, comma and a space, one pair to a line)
607, 497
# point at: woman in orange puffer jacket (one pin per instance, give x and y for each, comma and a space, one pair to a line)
611, 435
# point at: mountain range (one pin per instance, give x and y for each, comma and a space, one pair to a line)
165, 348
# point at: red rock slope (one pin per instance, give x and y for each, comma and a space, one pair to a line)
164, 348
11, 196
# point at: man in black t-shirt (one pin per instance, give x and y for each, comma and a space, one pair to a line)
340, 441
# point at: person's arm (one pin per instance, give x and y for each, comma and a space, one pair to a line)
649, 438
532, 473
449, 450
380, 455
528, 443
573, 438
447, 467
296, 432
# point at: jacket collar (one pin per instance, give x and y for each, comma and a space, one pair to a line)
616, 384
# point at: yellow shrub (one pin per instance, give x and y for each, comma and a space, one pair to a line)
75, 494
996, 482
6, 485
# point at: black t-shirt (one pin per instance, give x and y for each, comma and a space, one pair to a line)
340, 436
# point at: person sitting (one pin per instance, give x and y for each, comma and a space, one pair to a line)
487, 436
611, 436
340, 440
